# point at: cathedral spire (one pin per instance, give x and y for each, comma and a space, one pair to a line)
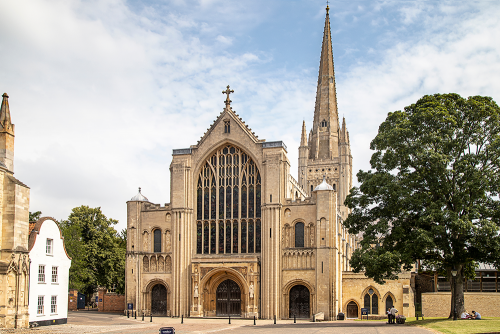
303, 138
326, 121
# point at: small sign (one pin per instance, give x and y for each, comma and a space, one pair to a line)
100, 299
130, 306
96, 298
364, 311
167, 330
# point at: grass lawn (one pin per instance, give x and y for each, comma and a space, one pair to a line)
443, 325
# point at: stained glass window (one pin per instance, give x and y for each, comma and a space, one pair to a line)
228, 189
243, 237
199, 237
228, 237
221, 237
235, 236
250, 237
213, 236
367, 302
205, 238
257, 236
374, 304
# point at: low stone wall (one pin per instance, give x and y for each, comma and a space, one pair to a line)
438, 304
110, 302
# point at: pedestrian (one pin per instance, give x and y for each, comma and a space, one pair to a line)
393, 314
388, 315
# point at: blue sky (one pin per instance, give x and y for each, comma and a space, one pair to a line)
102, 91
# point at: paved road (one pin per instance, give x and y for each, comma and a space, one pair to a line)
93, 322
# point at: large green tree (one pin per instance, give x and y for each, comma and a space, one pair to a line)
432, 193
97, 250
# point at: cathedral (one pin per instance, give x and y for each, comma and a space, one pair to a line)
242, 237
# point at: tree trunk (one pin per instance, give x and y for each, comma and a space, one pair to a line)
457, 293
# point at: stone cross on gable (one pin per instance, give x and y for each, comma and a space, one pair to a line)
227, 92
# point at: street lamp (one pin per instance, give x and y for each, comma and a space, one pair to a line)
454, 274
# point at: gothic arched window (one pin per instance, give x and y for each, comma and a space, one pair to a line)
299, 235
324, 123
389, 303
228, 204
371, 302
157, 241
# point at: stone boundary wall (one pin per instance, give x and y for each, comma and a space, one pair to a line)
437, 304
110, 302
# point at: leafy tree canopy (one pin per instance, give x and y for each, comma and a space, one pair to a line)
97, 250
34, 216
432, 193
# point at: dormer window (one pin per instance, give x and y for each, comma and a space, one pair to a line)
227, 127
324, 123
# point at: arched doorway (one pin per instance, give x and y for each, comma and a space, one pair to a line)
352, 310
159, 300
299, 302
228, 297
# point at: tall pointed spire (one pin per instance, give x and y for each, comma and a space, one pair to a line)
325, 112
303, 138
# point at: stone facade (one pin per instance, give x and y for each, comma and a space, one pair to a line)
241, 236
14, 216
438, 304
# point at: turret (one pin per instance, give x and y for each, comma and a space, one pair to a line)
303, 156
6, 135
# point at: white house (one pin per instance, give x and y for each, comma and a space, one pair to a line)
49, 274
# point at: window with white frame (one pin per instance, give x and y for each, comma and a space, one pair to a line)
40, 305
48, 247
54, 274
41, 274
53, 304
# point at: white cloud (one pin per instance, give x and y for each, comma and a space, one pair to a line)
464, 58
102, 92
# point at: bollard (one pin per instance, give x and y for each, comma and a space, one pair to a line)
254, 320
314, 317
142, 316
128, 315
417, 316
294, 319
182, 319
275, 319
151, 320
230, 319
135, 315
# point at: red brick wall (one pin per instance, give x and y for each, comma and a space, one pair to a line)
111, 302
72, 299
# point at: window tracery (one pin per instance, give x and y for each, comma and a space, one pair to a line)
228, 204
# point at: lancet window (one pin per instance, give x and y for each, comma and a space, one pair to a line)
157, 241
228, 204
